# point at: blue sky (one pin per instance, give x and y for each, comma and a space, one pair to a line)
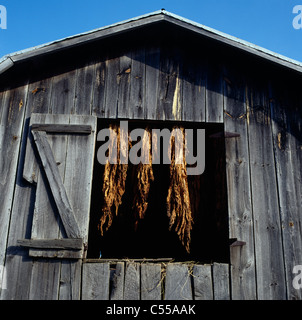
267, 23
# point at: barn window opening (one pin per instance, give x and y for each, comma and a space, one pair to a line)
135, 207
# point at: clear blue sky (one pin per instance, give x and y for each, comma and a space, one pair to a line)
267, 23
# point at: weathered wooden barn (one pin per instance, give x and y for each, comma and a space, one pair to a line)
158, 69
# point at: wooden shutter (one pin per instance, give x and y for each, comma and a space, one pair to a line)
59, 160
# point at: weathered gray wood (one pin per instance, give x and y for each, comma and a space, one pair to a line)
63, 93
194, 90
151, 281
221, 281
56, 253
169, 103
178, 282
44, 280
79, 171
85, 77
95, 281
18, 265
137, 84
117, 282
214, 93
77, 151
146, 260
203, 284
98, 103
56, 185
243, 277
267, 229
38, 101
123, 81
132, 281
61, 128
12, 121
111, 88
52, 243
70, 280
287, 131
31, 169
152, 59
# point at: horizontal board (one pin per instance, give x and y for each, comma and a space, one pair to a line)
62, 128
76, 244
56, 253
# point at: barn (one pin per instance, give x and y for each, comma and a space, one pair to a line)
238, 233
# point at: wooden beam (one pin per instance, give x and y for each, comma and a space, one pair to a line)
61, 128
225, 135
56, 185
75, 244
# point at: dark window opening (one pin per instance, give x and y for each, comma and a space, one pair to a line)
152, 238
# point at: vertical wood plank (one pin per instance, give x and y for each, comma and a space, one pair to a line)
63, 93
18, 264
85, 77
98, 104
267, 228
111, 87
123, 80
238, 183
178, 282
221, 281
95, 281
169, 103
70, 280
137, 84
203, 285
45, 280
12, 121
132, 281
3, 96
117, 282
194, 90
79, 171
151, 281
287, 133
152, 81
214, 94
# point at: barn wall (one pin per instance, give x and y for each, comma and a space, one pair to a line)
161, 82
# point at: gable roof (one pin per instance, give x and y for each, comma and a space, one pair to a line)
148, 19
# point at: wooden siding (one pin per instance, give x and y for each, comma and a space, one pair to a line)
165, 83
154, 281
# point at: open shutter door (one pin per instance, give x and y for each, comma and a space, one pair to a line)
59, 159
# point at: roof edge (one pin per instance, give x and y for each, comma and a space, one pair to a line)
9, 60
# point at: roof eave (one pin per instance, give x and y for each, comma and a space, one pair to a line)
9, 60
